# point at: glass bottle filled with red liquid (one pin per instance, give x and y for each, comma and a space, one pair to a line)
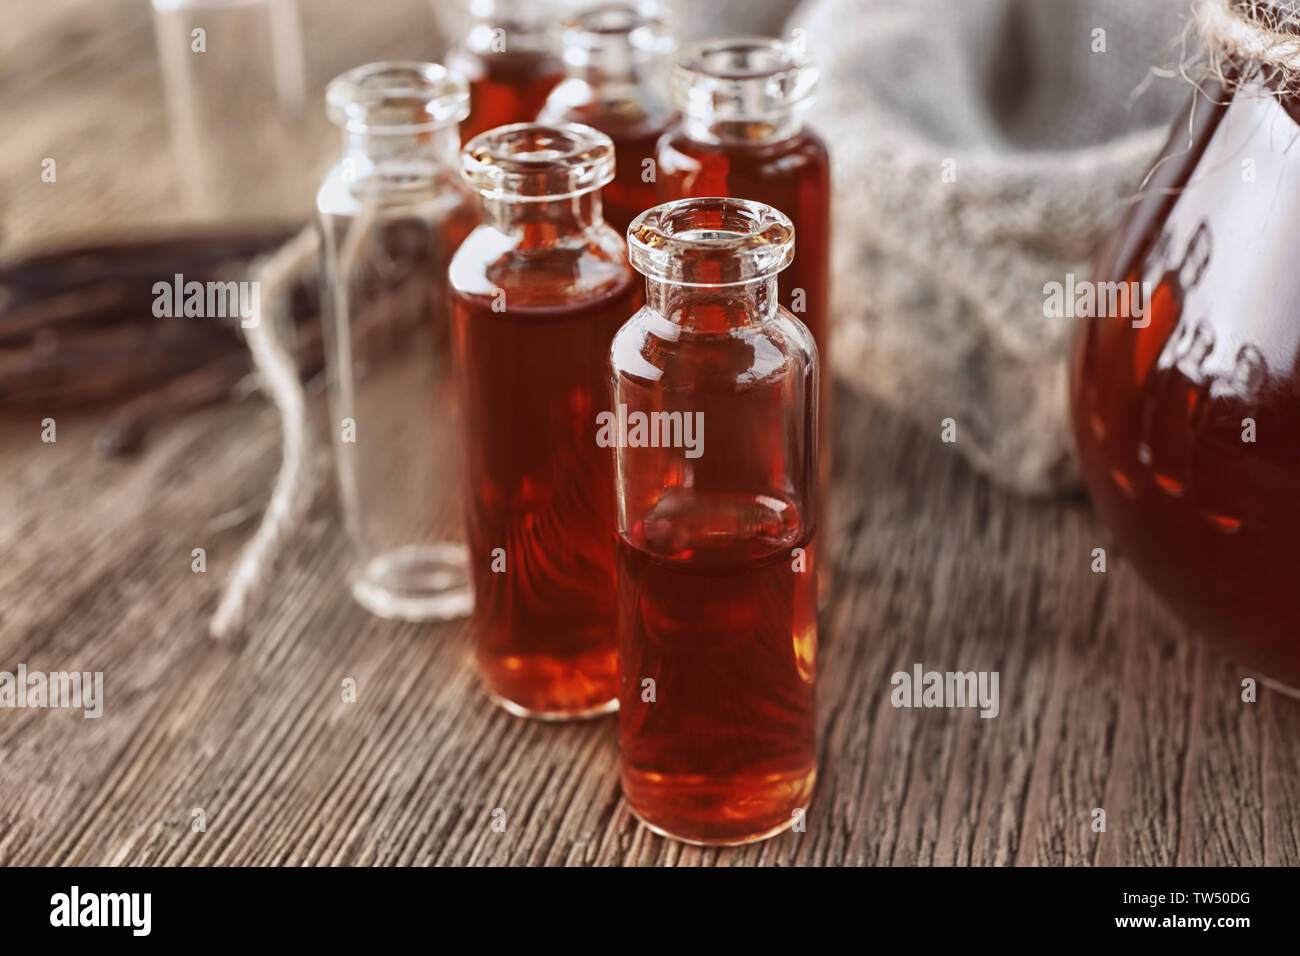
615, 53
510, 56
715, 398
538, 292
1186, 410
743, 134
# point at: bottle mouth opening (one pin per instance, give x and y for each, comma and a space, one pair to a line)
743, 77
537, 161
639, 28
711, 241
516, 14
740, 58
397, 97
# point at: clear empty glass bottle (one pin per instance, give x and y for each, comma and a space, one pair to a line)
391, 214
233, 75
743, 134
615, 53
538, 291
716, 391
511, 58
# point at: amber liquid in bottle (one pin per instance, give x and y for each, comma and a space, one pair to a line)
718, 619
1205, 505
507, 87
511, 59
538, 292
717, 578
635, 139
533, 379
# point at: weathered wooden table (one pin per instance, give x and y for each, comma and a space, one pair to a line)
1104, 702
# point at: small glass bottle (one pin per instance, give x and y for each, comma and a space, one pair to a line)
716, 392
614, 53
538, 292
742, 134
233, 74
511, 58
391, 213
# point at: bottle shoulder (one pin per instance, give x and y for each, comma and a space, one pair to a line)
804, 148
653, 347
796, 334
418, 190
589, 266
621, 111
477, 59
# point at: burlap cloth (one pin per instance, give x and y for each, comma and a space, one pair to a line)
1045, 134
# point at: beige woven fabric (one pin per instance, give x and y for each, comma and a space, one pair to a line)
981, 149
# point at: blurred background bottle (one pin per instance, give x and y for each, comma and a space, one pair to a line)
615, 54
743, 135
233, 74
510, 56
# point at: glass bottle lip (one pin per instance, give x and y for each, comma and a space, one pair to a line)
711, 241
502, 27
538, 161
742, 78
636, 29
397, 97
524, 15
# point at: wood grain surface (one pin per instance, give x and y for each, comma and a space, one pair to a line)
1105, 702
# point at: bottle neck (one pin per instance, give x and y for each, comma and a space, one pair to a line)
606, 72
496, 37
541, 224
612, 59
713, 309
400, 158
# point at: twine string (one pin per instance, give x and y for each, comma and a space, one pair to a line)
278, 372
296, 484
1266, 33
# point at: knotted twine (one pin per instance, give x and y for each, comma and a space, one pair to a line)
1264, 31
294, 485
